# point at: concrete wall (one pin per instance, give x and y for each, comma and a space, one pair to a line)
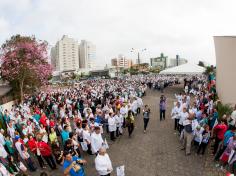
7, 106
225, 49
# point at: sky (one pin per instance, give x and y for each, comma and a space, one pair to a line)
183, 27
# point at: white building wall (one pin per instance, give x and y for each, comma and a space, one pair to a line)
225, 49
87, 54
65, 54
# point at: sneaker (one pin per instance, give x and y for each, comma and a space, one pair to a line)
144, 131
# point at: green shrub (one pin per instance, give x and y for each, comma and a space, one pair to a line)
224, 109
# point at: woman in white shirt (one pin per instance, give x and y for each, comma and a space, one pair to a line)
112, 126
103, 163
96, 140
87, 137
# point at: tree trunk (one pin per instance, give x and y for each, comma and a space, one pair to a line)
21, 91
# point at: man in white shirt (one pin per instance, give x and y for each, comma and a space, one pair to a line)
134, 106
11, 130
103, 163
119, 123
188, 133
96, 140
176, 114
183, 116
2, 137
140, 104
112, 126
19, 146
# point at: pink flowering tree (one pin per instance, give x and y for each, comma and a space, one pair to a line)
24, 63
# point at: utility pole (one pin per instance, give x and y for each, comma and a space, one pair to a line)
138, 58
177, 60
138, 52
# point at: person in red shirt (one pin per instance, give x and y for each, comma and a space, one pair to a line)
46, 152
43, 120
219, 131
32, 143
52, 123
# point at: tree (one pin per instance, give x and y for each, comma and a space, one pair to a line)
133, 71
24, 63
201, 63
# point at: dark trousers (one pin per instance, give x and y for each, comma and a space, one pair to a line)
202, 147
40, 160
117, 132
145, 121
106, 175
181, 127
219, 153
138, 110
30, 164
176, 124
89, 151
49, 159
162, 114
130, 129
216, 145
112, 135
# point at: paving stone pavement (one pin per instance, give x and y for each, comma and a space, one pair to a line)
156, 153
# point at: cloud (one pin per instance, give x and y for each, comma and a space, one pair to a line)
173, 27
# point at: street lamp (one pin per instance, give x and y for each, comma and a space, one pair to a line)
138, 52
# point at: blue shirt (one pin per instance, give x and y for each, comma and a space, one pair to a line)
162, 104
65, 136
72, 171
199, 115
228, 134
98, 119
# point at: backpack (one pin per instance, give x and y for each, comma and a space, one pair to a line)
188, 128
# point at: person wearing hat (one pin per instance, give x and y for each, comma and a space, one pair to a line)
18, 144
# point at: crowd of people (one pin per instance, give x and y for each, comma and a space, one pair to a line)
57, 126
197, 121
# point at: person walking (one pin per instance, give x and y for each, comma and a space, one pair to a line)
188, 134
130, 122
162, 107
146, 117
